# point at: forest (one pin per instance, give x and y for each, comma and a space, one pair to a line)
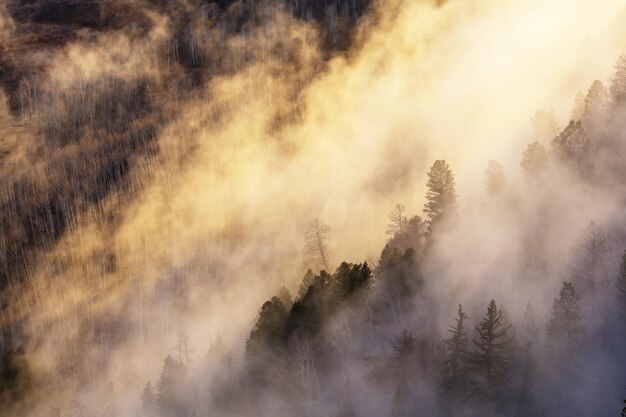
301, 208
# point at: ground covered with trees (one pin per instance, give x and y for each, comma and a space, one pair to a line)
194, 199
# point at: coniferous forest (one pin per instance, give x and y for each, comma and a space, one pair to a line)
339, 208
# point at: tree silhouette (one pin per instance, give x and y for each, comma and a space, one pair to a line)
570, 145
441, 194
316, 244
148, 400
490, 361
565, 328
455, 366
534, 159
269, 331
590, 259
397, 221
170, 399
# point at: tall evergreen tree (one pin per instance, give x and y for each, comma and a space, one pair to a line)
441, 194
534, 159
455, 366
148, 400
269, 331
307, 281
590, 260
570, 145
565, 326
491, 359
170, 389
596, 109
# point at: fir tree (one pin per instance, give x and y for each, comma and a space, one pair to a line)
170, 399
455, 369
590, 258
441, 194
565, 326
148, 400
490, 361
307, 281
269, 331
534, 159
596, 109
571, 143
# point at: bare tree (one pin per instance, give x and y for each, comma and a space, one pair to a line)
397, 220
316, 240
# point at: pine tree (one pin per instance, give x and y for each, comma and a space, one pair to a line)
534, 159
397, 221
621, 291
495, 179
565, 326
596, 109
170, 388
148, 400
455, 366
571, 143
307, 281
590, 258
618, 82
490, 361
268, 333
285, 296
441, 194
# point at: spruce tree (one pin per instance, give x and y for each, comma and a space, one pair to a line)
565, 326
441, 194
596, 109
148, 400
455, 369
534, 160
490, 361
170, 388
268, 333
570, 145
307, 281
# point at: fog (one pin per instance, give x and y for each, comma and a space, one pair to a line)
159, 178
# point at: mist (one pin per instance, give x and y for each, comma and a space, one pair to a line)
186, 179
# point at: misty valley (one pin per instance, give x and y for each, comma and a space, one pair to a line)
339, 208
